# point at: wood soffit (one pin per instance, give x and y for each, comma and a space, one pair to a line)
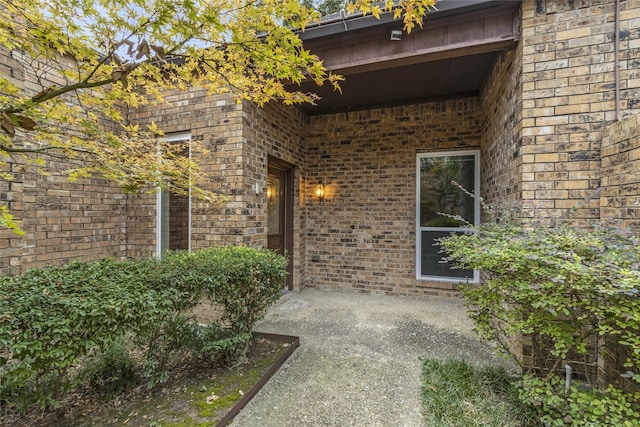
450, 57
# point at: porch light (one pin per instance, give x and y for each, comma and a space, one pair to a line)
320, 190
270, 192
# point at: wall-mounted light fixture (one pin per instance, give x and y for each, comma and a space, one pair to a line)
396, 35
320, 191
271, 191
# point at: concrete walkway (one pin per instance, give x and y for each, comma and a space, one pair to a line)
357, 364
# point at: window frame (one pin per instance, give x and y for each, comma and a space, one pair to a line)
161, 245
419, 229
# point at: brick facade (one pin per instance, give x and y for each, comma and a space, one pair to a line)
279, 132
619, 199
215, 122
362, 235
62, 221
568, 55
240, 137
620, 171
545, 123
501, 161
539, 123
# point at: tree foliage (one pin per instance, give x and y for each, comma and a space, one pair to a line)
412, 12
81, 64
86, 62
325, 7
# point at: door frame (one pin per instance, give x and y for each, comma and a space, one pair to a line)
287, 169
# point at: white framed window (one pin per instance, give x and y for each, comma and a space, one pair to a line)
438, 194
173, 212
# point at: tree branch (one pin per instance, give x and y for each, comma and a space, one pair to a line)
23, 150
51, 93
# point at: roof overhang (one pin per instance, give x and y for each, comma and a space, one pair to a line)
450, 57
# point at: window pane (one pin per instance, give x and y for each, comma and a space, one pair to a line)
178, 222
174, 221
273, 205
174, 211
432, 263
438, 193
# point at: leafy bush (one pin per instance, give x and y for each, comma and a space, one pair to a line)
55, 318
579, 406
112, 371
243, 280
52, 317
563, 287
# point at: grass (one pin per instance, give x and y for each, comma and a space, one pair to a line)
455, 393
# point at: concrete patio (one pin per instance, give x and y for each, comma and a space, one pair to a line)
358, 362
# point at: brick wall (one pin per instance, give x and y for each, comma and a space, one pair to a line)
611, 360
239, 138
501, 161
620, 194
277, 131
62, 221
92, 219
362, 235
215, 122
548, 138
619, 199
569, 106
569, 97
539, 123
502, 178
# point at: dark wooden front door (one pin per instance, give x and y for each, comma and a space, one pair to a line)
280, 212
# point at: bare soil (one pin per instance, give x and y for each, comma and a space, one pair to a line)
198, 394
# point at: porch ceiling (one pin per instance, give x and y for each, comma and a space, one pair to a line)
451, 57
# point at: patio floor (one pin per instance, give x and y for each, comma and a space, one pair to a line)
358, 361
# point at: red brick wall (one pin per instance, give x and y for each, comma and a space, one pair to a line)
501, 160
62, 221
362, 235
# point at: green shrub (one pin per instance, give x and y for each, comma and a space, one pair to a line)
54, 318
579, 406
562, 286
243, 280
112, 371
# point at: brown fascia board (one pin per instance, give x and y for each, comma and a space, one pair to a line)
336, 24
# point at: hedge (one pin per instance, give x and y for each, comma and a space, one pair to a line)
54, 321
